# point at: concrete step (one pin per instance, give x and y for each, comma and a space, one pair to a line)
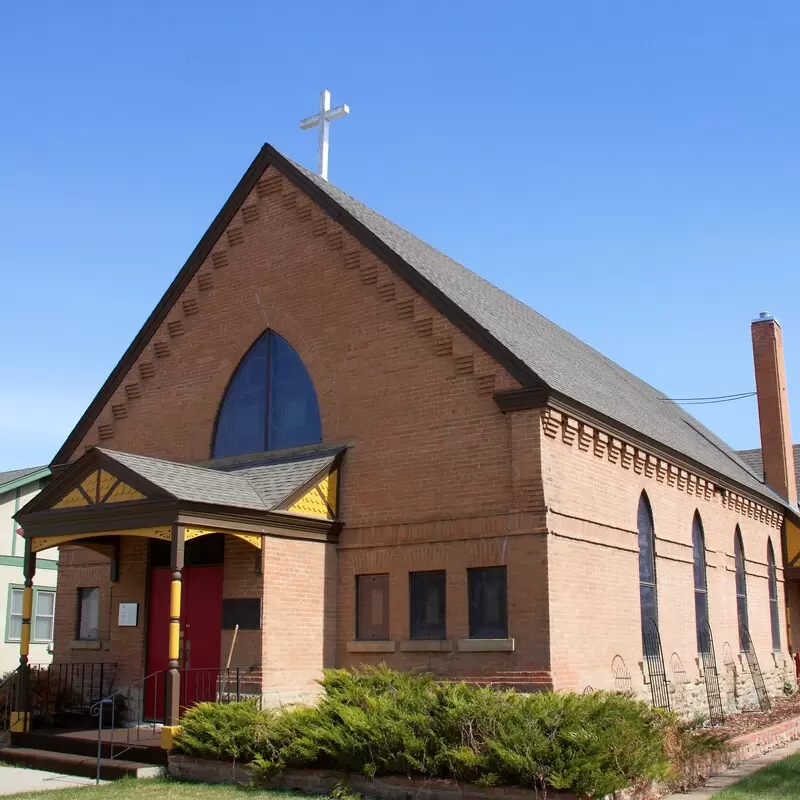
71, 764
87, 745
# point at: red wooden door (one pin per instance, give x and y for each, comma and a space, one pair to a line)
201, 624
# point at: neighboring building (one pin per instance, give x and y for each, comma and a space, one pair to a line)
755, 461
16, 489
336, 437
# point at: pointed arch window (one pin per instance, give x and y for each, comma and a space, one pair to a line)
270, 402
741, 590
700, 584
648, 595
773, 598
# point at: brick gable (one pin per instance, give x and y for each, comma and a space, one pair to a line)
391, 373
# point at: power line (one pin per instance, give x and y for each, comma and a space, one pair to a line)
703, 401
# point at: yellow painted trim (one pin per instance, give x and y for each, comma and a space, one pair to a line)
27, 602
193, 533
124, 494
25, 639
175, 599
89, 485
18, 721
320, 500
40, 543
251, 538
333, 483
168, 735
107, 480
72, 499
792, 544
174, 625
311, 504
174, 641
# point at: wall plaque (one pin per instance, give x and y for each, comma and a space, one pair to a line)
128, 615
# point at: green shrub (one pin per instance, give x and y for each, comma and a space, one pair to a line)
376, 721
225, 732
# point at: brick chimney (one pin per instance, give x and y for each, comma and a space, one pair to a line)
773, 406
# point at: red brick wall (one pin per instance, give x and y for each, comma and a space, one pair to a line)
79, 568
299, 617
592, 497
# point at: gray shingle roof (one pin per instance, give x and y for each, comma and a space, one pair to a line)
561, 360
754, 460
262, 487
16, 474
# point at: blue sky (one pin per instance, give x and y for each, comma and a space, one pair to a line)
628, 168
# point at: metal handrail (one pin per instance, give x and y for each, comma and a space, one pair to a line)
9, 688
124, 695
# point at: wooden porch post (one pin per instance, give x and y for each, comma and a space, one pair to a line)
19, 719
172, 711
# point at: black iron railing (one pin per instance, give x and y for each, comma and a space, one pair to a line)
215, 685
130, 708
63, 694
716, 714
654, 659
9, 696
755, 669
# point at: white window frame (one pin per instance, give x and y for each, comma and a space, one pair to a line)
10, 615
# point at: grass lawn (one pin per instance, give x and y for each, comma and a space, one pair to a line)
131, 789
781, 780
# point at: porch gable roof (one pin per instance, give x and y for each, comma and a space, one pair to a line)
108, 492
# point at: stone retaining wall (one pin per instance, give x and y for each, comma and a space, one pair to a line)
187, 768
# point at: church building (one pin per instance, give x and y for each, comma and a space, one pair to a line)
332, 445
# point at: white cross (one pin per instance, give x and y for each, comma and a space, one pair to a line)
323, 119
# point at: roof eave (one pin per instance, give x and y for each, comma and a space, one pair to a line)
24, 480
522, 399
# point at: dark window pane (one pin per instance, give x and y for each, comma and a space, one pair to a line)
88, 614
428, 614
270, 403
699, 548
701, 620
774, 618
372, 607
700, 586
293, 410
741, 590
488, 603
649, 603
241, 427
647, 571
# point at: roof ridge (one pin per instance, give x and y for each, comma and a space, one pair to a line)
112, 453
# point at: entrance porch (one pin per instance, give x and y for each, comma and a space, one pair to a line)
177, 581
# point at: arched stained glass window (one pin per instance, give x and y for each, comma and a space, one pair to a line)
270, 403
741, 590
700, 585
773, 597
647, 566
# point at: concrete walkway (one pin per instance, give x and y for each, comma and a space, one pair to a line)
722, 780
14, 780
